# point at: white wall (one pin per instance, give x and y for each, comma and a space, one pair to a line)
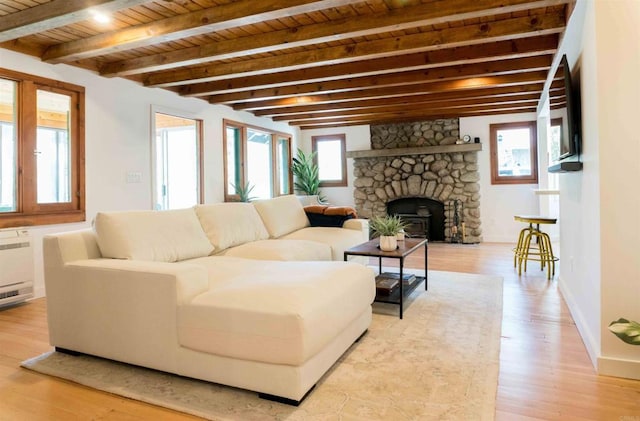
600, 273
499, 203
618, 93
118, 139
357, 138
580, 245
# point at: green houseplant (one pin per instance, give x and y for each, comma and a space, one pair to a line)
387, 228
244, 192
306, 174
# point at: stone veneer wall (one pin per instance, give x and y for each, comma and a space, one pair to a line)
440, 176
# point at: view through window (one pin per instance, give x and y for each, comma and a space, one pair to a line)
331, 159
258, 159
41, 150
513, 153
178, 172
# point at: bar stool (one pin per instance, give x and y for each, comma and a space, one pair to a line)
542, 253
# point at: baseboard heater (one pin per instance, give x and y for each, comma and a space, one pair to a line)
16, 266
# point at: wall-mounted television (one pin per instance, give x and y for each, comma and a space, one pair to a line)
570, 144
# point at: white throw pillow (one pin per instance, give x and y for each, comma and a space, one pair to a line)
282, 215
231, 224
163, 236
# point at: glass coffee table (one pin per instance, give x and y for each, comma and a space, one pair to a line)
398, 294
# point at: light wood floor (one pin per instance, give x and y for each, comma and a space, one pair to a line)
545, 373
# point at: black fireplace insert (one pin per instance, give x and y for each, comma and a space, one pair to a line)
425, 216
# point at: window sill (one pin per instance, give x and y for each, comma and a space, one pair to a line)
29, 220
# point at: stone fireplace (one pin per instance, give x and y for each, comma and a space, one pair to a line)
422, 163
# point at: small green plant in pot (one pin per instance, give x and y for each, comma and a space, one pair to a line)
387, 228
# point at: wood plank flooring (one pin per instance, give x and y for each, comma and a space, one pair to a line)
545, 373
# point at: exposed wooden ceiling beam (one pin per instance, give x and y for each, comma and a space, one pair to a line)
414, 114
393, 79
368, 113
504, 100
394, 20
401, 91
408, 101
409, 118
508, 29
195, 23
502, 50
55, 14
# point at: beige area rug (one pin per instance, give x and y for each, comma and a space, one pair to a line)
439, 363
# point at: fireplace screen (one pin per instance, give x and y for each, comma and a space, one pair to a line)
425, 216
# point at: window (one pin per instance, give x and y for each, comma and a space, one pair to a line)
177, 166
256, 157
331, 157
555, 139
514, 153
41, 151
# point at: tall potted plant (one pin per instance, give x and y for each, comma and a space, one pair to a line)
387, 227
306, 175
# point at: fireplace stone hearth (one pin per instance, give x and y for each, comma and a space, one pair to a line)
449, 177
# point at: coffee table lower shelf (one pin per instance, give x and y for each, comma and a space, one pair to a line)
394, 296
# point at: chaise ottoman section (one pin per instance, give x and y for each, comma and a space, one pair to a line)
286, 315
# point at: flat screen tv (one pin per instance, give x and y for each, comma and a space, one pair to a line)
570, 144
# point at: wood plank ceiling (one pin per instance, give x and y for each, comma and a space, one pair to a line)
312, 63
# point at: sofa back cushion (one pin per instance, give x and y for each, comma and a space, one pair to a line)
231, 224
282, 215
163, 236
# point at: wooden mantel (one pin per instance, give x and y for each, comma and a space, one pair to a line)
420, 150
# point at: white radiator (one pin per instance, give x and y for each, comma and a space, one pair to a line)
16, 266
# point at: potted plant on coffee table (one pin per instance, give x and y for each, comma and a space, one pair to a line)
387, 228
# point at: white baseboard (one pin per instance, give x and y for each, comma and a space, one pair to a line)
39, 292
618, 367
590, 342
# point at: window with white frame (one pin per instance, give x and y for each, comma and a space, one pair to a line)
177, 161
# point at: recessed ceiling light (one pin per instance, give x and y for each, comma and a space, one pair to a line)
101, 17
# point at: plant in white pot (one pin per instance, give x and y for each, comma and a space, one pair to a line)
387, 228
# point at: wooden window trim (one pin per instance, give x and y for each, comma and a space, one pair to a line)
343, 146
514, 179
29, 212
275, 135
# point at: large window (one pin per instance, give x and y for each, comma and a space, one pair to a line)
331, 151
256, 158
41, 151
177, 161
514, 157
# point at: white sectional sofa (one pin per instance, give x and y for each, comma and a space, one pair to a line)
246, 295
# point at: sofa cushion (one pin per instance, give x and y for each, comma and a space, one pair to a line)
163, 236
284, 316
281, 215
339, 239
281, 250
231, 224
